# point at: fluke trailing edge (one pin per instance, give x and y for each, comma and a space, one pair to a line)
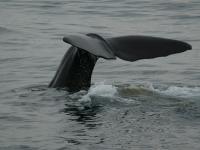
75, 70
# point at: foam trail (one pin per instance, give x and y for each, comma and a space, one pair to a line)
149, 88
177, 91
180, 91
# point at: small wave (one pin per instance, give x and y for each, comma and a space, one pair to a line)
5, 30
136, 89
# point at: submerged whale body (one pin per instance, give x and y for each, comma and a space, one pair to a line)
75, 70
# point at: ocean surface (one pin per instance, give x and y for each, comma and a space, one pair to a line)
143, 105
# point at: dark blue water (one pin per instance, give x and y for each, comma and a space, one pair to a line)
148, 104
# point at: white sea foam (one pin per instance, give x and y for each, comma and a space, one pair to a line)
99, 90
102, 89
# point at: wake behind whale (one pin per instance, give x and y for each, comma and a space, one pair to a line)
75, 70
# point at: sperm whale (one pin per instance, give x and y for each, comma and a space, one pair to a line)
75, 70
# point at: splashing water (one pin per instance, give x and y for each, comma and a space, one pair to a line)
99, 90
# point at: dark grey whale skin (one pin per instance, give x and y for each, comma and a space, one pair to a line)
75, 70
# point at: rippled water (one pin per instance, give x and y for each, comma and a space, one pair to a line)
148, 104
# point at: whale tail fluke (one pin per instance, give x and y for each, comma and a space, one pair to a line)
75, 70
130, 48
